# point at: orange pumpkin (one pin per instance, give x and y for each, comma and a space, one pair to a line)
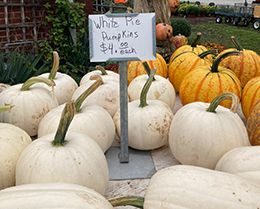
205, 83
163, 31
179, 41
136, 68
173, 4
184, 63
253, 125
120, 1
198, 49
250, 95
245, 66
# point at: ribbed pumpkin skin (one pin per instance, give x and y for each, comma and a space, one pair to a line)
203, 85
181, 65
253, 125
190, 187
188, 48
250, 95
136, 68
245, 66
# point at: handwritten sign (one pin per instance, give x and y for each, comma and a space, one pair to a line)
118, 37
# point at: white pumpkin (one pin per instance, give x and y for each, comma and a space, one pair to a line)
3, 86
64, 157
106, 96
190, 187
107, 75
91, 120
201, 133
161, 89
54, 196
30, 104
12, 142
148, 121
242, 161
64, 84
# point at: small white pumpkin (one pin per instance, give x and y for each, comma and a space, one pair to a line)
12, 142
30, 104
106, 96
54, 196
64, 84
161, 88
64, 157
148, 121
201, 133
242, 161
91, 120
107, 75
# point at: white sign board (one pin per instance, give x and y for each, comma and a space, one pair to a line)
125, 36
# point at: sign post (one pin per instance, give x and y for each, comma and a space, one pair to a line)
122, 37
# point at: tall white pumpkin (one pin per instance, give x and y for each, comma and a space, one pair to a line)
30, 104
54, 196
64, 84
148, 121
12, 142
242, 161
91, 120
202, 133
64, 157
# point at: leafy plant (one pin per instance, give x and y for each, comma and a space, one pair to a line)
181, 26
69, 36
17, 68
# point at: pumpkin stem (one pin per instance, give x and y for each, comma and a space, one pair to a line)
55, 65
236, 43
102, 69
215, 102
195, 42
147, 69
204, 54
66, 118
137, 202
143, 96
6, 107
86, 93
214, 67
33, 80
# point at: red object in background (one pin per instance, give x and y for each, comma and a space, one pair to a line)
120, 1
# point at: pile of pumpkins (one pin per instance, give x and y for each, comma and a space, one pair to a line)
73, 126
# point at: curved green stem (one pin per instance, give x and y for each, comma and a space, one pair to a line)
214, 67
33, 80
137, 202
6, 107
147, 69
195, 42
86, 93
102, 69
55, 66
66, 118
236, 43
215, 102
143, 96
204, 54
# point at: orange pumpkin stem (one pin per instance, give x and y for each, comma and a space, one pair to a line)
236, 43
195, 42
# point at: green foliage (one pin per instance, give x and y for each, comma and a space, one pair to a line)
186, 9
17, 68
68, 35
181, 26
